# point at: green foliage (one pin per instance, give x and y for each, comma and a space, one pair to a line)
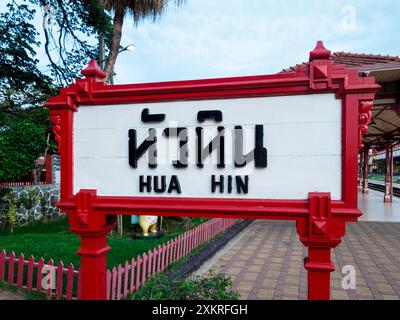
21, 82
215, 286
28, 295
23, 89
53, 239
20, 145
11, 216
71, 29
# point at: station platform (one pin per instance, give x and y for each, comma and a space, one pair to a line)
374, 209
265, 261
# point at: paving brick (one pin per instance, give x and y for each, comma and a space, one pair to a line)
271, 266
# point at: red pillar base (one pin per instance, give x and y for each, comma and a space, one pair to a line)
319, 267
387, 198
319, 233
93, 269
92, 227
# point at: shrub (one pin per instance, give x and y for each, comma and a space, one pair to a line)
214, 286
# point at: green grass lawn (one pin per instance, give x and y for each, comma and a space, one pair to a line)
54, 240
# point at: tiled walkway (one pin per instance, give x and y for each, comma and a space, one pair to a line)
265, 261
374, 209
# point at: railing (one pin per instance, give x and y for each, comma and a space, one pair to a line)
31, 275
126, 279
60, 282
21, 184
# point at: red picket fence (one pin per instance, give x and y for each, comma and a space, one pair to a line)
60, 282
128, 278
20, 184
31, 275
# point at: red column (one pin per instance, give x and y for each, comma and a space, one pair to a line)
319, 267
360, 170
319, 233
93, 268
92, 227
389, 174
365, 170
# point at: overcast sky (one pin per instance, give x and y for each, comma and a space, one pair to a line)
209, 38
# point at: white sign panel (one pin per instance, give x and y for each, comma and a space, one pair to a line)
252, 148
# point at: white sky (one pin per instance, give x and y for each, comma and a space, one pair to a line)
208, 38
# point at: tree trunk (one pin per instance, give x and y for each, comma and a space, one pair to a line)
115, 43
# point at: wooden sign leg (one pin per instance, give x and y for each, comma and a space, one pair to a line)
93, 228
93, 268
319, 233
319, 267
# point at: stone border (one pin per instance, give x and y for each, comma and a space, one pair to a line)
196, 260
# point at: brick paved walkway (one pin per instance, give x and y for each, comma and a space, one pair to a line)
265, 262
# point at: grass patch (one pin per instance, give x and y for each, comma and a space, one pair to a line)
54, 240
27, 295
213, 286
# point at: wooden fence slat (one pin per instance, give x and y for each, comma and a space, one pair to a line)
163, 249
114, 283
50, 278
119, 280
2, 264
20, 270
79, 291
70, 281
29, 282
155, 257
178, 248
175, 249
167, 254
149, 263
126, 278
144, 268
138, 267
108, 285
132, 287
59, 279
158, 259
11, 261
39, 274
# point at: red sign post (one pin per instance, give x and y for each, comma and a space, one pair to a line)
91, 183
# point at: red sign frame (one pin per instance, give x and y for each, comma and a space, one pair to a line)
320, 220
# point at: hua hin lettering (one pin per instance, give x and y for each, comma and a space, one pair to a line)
219, 183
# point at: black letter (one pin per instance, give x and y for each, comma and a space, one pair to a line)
148, 144
209, 114
147, 117
242, 186
174, 185
157, 189
258, 154
217, 142
230, 184
215, 183
146, 184
182, 134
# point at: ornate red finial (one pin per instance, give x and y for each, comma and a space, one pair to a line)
93, 71
320, 52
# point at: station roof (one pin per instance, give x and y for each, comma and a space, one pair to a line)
385, 124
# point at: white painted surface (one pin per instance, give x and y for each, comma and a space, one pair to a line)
301, 133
